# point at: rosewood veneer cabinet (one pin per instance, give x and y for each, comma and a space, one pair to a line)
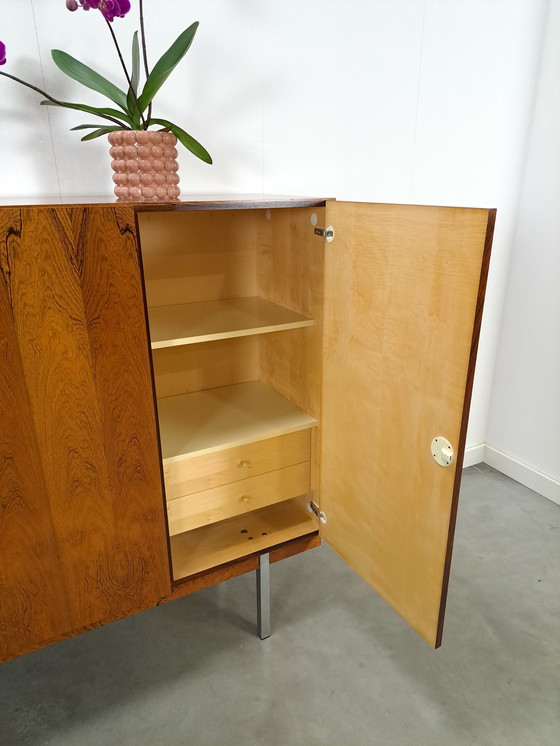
188, 387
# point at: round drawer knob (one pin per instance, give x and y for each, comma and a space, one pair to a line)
244, 498
244, 464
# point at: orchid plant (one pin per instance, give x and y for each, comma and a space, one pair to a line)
135, 102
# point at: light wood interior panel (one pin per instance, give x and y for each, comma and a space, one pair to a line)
234, 464
290, 272
206, 257
193, 323
216, 419
203, 508
198, 256
248, 563
210, 546
401, 291
182, 370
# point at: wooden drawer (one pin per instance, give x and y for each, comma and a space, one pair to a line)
243, 496
211, 470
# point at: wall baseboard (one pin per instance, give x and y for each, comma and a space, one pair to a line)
474, 455
526, 475
511, 467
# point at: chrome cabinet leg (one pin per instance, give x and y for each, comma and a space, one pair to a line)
263, 597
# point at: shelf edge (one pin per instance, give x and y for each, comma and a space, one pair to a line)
216, 336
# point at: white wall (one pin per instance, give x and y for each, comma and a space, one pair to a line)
406, 101
375, 100
524, 421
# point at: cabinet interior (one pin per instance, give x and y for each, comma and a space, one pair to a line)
235, 307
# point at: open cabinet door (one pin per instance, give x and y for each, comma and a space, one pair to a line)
404, 289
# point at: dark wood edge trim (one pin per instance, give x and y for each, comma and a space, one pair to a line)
256, 204
154, 395
241, 566
295, 546
465, 417
190, 202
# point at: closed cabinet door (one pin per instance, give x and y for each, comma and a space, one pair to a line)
82, 524
404, 287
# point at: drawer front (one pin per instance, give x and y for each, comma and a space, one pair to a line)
233, 464
243, 496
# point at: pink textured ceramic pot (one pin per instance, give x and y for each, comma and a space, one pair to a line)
145, 165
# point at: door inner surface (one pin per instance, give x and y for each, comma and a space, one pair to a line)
404, 287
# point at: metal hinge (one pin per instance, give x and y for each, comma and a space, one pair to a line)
327, 233
312, 507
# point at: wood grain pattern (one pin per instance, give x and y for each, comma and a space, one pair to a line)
71, 278
401, 285
32, 596
114, 310
193, 584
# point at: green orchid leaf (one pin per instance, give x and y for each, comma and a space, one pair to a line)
131, 97
92, 110
88, 77
185, 139
135, 77
99, 133
166, 64
85, 127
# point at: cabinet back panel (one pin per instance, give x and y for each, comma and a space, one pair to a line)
401, 308
198, 256
182, 370
73, 283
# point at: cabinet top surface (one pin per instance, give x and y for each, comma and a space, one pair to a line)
188, 202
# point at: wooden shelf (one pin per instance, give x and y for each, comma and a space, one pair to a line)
191, 323
215, 419
209, 546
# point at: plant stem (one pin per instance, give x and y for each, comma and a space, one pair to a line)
129, 81
56, 101
145, 56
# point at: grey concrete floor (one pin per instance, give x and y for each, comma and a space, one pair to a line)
341, 669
